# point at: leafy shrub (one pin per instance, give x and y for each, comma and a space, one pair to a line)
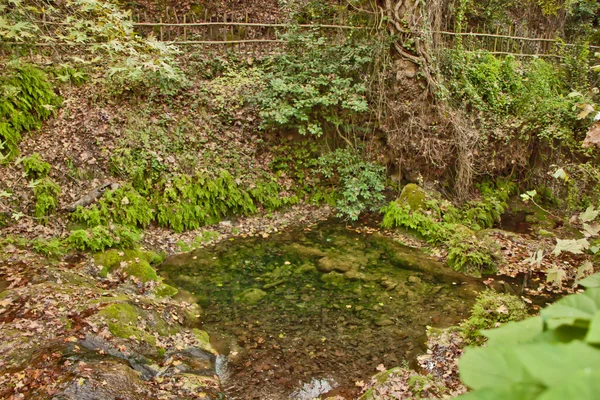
401, 216
124, 206
490, 310
35, 167
470, 254
26, 99
551, 356
191, 202
53, 247
268, 195
535, 94
359, 183
314, 85
100, 238
46, 197
443, 223
67, 74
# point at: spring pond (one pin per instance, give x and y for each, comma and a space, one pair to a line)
311, 311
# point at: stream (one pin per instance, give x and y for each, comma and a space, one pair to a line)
312, 311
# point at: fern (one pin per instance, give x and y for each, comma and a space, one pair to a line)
35, 167
46, 194
100, 238
26, 99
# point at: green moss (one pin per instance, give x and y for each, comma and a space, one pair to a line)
413, 196
122, 322
140, 269
204, 340
164, 290
134, 263
109, 259
490, 309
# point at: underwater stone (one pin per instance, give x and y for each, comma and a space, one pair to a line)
342, 262
305, 251
333, 278
383, 321
414, 279
388, 284
251, 296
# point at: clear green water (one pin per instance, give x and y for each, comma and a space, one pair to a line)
320, 303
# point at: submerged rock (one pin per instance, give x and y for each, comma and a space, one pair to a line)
342, 261
251, 296
314, 389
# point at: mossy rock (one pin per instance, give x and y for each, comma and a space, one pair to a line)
164, 290
135, 263
491, 309
414, 196
342, 261
141, 269
122, 319
334, 278
251, 296
204, 340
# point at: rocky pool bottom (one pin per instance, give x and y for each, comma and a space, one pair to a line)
312, 312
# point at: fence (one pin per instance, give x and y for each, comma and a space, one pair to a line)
235, 30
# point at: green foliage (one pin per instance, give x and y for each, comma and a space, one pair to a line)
183, 202
26, 99
233, 90
470, 254
53, 247
268, 195
46, 197
359, 183
536, 95
490, 309
104, 36
442, 223
191, 202
68, 74
314, 85
100, 238
401, 216
551, 356
35, 167
124, 206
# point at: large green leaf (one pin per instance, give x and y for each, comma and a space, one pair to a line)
584, 385
553, 364
592, 281
593, 335
575, 246
571, 308
494, 366
513, 392
515, 332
